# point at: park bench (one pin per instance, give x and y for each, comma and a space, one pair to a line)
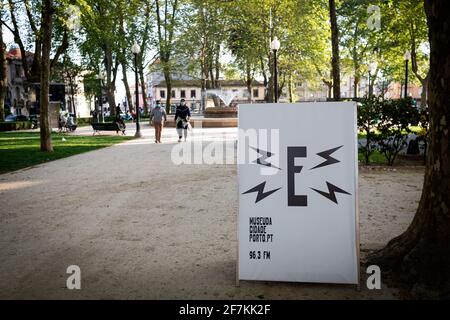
108, 126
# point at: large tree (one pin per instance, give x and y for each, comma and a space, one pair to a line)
202, 42
302, 28
167, 12
71, 71
140, 31
46, 24
33, 24
27, 26
3, 69
360, 44
420, 257
335, 60
101, 47
404, 27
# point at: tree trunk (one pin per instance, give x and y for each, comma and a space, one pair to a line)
249, 80
265, 79
72, 95
291, 90
110, 86
168, 79
420, 257
217, 62
143, 88
35, 70
356, 67
415, 69
127, 87
424, 94
3, 77
110, 95
46, 131
271, 83
335, 50
355, 85
203, 93
281, 85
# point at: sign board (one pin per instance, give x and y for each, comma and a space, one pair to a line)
298, 175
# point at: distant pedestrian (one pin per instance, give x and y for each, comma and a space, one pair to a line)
94, 114
121, 126
118, 111
157, 118
182, 117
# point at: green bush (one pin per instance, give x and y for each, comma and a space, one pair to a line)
386, 125
14, 126
369, 111
84, 121
396, 118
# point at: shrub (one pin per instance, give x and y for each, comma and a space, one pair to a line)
396, 117
13, 126
424, 130
369, 111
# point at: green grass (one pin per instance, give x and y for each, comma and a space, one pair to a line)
375, 158
21, 149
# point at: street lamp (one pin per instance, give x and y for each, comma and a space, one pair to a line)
275, 46
407, 57
136, 49
372, 69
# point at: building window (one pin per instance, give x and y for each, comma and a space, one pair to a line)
183, 94
193, 94
173, 94
162, 94
255, 93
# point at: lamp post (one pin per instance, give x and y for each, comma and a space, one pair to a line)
372, 69
275, 46
136, 49
407, 57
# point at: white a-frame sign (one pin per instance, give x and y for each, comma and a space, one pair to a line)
298, 211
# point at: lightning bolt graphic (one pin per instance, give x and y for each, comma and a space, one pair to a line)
327, 156
260, 190
264, 155
332, 190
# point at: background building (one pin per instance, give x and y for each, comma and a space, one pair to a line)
234, 91
18, 97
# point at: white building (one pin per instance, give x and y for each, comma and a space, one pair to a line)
79, 105
230, 92
18, 98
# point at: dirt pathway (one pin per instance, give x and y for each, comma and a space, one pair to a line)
120, 214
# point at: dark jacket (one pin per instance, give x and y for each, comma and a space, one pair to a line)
182, 113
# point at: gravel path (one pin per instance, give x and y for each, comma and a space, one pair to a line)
120, 214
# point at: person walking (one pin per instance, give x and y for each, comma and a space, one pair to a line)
182, 117
118, 111
157, 118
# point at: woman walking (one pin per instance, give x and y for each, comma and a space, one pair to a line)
182, 117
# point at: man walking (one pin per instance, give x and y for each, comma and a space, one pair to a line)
157, 118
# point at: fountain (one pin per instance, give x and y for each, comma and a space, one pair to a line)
227, 97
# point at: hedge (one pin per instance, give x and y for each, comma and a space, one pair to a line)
14, 126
